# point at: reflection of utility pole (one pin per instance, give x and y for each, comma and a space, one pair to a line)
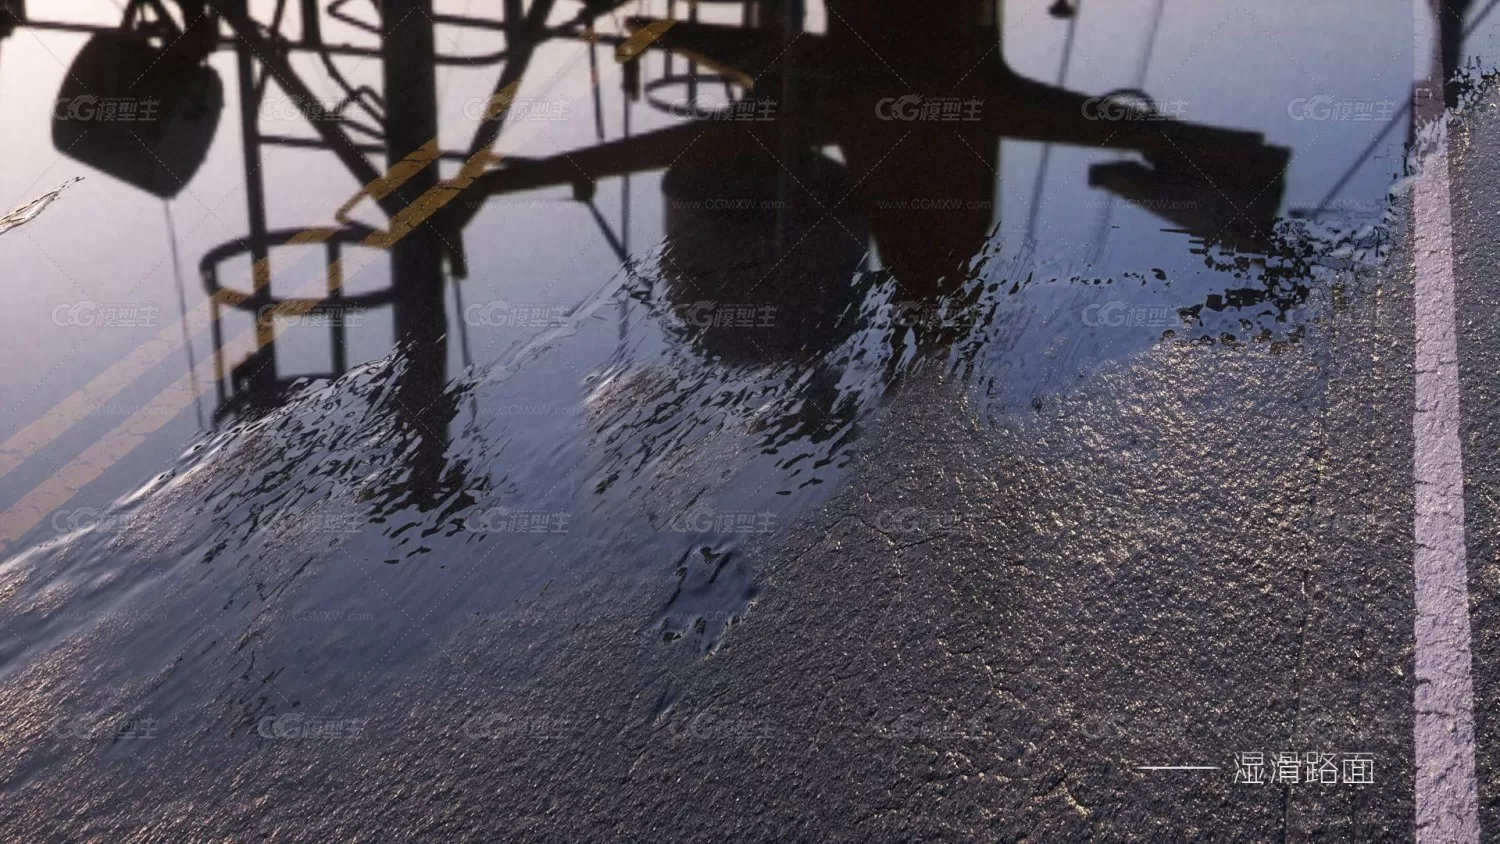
416, 258
312, 28
411, 122
261, 367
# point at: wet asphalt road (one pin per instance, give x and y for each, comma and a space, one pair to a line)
1203, 552
1475, 203
1001, 617
1199, 552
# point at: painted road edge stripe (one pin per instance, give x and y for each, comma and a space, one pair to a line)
1447, 794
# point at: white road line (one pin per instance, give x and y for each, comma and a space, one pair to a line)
1447, 800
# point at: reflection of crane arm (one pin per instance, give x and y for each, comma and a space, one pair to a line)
581, 169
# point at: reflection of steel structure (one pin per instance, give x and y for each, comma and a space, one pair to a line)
807, 221
334, 304
865, 87
859, 88
394, 123
403, 118
156, 54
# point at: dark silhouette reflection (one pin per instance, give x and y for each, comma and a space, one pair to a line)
869, 167
422, 406
850, 223
914, 99
844, 167
164, 103
730, 259
916, 102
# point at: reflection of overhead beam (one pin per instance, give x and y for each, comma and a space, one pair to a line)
1242, 225
1215, 163
1035, 113
1020, 108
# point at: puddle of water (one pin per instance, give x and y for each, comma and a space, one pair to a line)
644, 341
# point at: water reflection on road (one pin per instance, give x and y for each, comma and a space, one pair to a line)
639, 342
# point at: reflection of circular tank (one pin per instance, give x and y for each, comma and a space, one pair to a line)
139, 113
753, 272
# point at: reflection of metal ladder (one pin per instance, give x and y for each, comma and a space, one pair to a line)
255, 380
252, 382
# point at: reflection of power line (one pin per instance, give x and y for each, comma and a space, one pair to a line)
1101, 229
1041, 168
187, 340
1155, 29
